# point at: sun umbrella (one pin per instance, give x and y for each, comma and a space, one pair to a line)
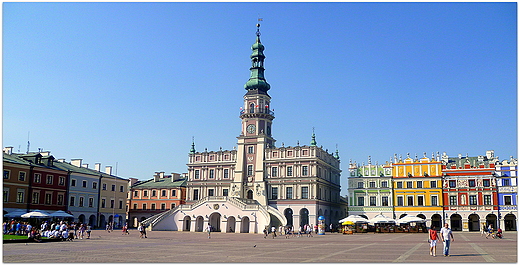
15, 214
61, 214
381, 219
348, 223
35, 214
410, 219
354, 218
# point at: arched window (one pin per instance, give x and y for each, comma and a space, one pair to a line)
250, 194
252, 108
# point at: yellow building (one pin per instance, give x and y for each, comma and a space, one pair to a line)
418, 188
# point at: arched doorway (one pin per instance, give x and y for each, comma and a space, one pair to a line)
245, 225
199, 224
456, 222
422, 216
510, 222
214, 220
304, 217
492, 219
249, 194
437, 221
186, 223
402, 215
326, 214
102, 221
473, 222
81, 219
92, 220
288, 213
231, 224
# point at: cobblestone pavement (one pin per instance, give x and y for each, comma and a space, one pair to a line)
188, 247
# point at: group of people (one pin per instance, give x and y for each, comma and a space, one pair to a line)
446, 236
289, 231
489, 232
60, 230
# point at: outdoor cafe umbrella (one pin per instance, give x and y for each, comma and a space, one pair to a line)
61, 214
410, 219
15, 214
354, 218
347, 223
381, 219
35, 214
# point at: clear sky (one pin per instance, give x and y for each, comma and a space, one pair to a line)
132, 83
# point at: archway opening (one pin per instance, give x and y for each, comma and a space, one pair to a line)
456, 222
245, 225
249, 194
473, 222
510, 222
214, 221
437, 221
231, 224
186, 226
199, 224
288, 213
492, 219
304, 217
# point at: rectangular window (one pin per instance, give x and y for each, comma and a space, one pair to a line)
197, 174
360, 201
103, 203
409, 200
145, 193
50, 179
120, 204
211, 192
174, 193
61, 181
94, 185
144, 206
435, 201
305, 192
81, 201
104, 186
400, 201
163, 206
372, 184
409, 184
419, 184
225, 192
195, 194
73, 182
72, 201
37, 178
288, 193
84, 183
121, 188
452, 183
274, 171
112, 204
60, 199
135, 206
163, 193
420, 200
250, 149
48, 199
360, 185
453, 200
154, 193
506, 182
372, 201
21, 176
36, 197
173, 206
90, 202
211, 173
153, 206
384, 184
249, 170
305, 170
136, 193
7, 173
113, 187
486, 183
20, 197
472, 183
6, 194
226, 173
384, 201
289, 170
433, 184
507, 200
400, 184
274, 193
472, 199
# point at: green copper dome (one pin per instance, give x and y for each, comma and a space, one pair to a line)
257, 81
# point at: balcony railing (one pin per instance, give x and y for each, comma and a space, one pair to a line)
257, 111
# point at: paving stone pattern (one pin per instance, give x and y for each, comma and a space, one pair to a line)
188, 247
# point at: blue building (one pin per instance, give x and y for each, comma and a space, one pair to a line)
506, 172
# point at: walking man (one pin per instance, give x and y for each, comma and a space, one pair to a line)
447, 238
432, 239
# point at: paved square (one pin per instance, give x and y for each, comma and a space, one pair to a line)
187, 247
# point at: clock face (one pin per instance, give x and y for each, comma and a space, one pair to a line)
251, 129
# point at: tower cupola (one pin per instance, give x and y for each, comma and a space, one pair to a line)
257, 82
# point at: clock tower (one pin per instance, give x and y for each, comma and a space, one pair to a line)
255, 137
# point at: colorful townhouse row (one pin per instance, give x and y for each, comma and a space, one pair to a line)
468, 193
38, 181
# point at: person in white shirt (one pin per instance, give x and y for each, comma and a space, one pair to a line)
447, 238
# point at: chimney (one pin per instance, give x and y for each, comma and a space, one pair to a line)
108, 170
133, 181
45, 153
85, 165
97, 167
61, 160
175, 176
8, 150
76, 162
156, 177
161, 174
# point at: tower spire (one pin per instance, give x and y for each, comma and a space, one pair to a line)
257, 82
192, 150
313, 141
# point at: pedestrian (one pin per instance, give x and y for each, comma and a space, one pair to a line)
81, 230
208, 229
316, 228
490, 231
273, 230
432, 239
280, 230
141, 230
125, 229
447, 238
89, 229
265, 232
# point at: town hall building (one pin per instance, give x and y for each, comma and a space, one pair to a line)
257, 184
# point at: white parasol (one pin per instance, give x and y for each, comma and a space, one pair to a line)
410, 219
354, 218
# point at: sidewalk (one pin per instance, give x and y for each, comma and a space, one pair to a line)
188, 247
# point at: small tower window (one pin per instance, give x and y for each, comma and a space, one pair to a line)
252, 108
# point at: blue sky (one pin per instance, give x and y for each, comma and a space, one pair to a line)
132, 83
